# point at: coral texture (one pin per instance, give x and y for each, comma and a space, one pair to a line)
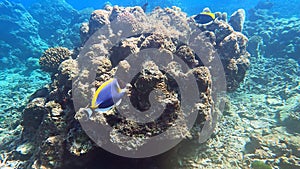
19, 37
59, 22
112, 44
53, 57
26, 33
231, 48
278, 37
146, 36
237, 20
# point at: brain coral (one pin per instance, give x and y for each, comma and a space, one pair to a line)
53, 57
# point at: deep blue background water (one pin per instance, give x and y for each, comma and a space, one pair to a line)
287, 8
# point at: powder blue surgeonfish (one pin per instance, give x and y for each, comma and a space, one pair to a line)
107, 96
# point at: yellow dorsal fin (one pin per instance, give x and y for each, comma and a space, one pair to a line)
212, 15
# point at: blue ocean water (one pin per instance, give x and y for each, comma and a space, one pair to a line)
286, 8
258, 127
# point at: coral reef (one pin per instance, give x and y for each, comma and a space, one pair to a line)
237, 20
17, 85
150, 77
279, 36
59, 22
264, 113
53, 57
231, 47
260, 165
19, 38
113, 43
48, 121
27, 33
259, 127
275, 149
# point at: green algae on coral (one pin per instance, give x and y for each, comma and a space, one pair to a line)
260, 165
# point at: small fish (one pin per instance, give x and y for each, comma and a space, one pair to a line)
43, 92
107, 96
144, 7
204, 17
